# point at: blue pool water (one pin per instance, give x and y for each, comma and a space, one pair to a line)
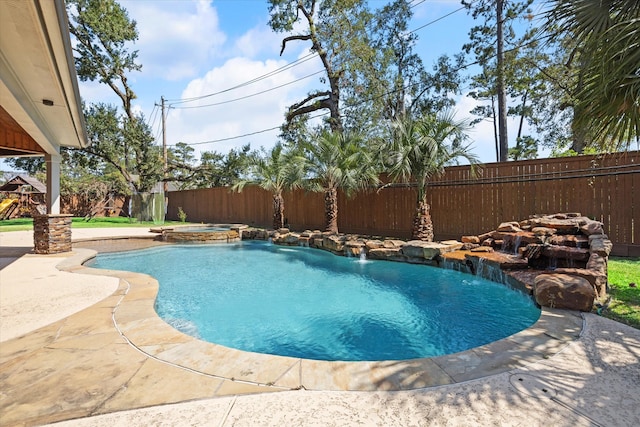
308, 303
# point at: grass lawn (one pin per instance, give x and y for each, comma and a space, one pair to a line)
625, 300
97, 222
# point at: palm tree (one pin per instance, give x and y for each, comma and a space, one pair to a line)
606, 34
419, 150
338, 160
275, 171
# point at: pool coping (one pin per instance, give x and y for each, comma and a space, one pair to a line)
137, 322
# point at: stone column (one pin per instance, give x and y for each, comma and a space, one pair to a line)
53, 183
52, 234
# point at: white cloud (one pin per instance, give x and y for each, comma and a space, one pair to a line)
259, 41
239, 116
176, 39
95, 92
481, 135
182, 51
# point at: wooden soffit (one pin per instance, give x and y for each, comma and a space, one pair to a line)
38, 82
15, 141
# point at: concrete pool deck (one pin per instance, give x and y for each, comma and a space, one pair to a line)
69, 355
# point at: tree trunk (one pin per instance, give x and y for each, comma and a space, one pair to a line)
578, 134
422, 225
495, 127
502, 93
522, 114
278, 211
331, 210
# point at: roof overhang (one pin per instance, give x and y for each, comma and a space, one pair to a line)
40, 106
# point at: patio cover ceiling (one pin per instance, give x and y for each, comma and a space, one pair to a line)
40, 108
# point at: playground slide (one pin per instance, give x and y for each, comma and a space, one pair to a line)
5, 205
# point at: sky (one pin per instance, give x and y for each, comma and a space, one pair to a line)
193, 48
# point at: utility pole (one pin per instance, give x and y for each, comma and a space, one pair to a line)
165, 184
164, 149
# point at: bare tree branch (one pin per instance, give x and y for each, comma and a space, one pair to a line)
318, 105
291, 38
299, 108
309, 98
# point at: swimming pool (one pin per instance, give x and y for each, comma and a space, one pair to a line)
311, 304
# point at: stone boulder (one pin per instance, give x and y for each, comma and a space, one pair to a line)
592, 227
374, 244
574, 241
454, 245
562, 226
543, 231
471, 239
598, 280
599, 244
422, 249
250, 233
316, 234
388, 254
392, 243
333, 243
597, 263
564, 291
485, 236
428, 250
509, 227
289, 239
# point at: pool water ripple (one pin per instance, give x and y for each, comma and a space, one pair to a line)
308, 303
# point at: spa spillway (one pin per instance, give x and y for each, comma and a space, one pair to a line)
205, 233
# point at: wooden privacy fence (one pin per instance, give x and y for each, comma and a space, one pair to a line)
605, 188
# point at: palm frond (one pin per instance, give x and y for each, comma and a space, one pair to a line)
607, 36
420, 149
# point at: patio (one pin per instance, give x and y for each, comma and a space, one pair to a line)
63, 358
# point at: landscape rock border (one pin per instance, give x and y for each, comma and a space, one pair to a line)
559, 259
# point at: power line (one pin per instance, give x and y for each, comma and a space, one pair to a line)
283, 68
251, 95
437, 19
242, 136
158, 131
293, 64
151, 121
151, 115
231, 137
462, 67
254, 80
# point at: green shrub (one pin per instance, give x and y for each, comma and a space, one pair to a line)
182, 216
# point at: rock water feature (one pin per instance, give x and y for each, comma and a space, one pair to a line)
560, 259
